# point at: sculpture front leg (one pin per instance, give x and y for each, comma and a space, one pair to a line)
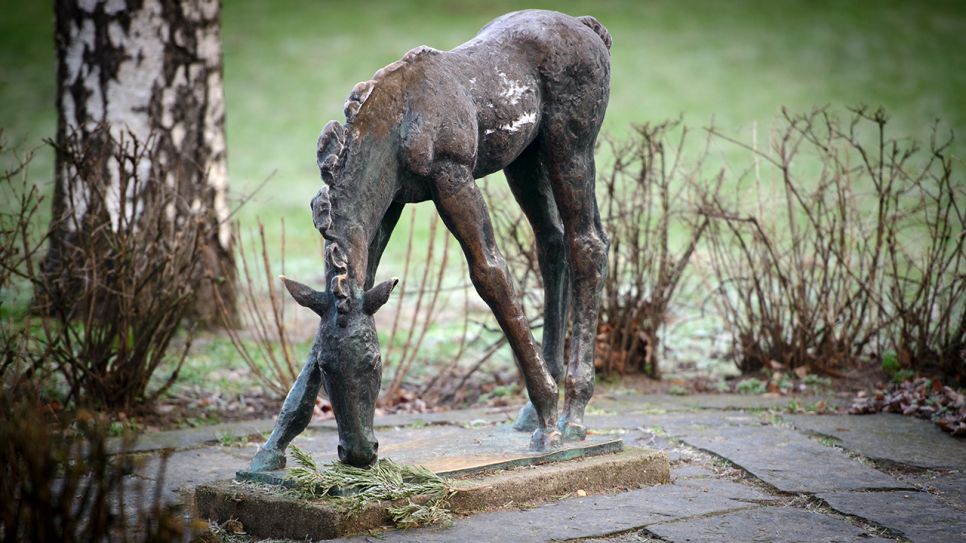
293, 418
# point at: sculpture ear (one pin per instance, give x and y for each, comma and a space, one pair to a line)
308, 297
378, 295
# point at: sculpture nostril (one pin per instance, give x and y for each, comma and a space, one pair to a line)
375, 447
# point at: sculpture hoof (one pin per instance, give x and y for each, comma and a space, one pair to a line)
544, 441
571, 431
527, 419
267, 460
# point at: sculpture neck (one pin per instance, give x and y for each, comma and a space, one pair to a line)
359, 201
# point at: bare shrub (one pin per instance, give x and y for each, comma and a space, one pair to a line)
430, 283
449, 374
818, 273
795, 281
261, 309
925, 275
647, 208
107, 320
19, 248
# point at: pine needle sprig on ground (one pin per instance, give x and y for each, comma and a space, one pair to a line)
353, 489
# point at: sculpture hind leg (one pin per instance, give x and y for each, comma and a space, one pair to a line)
531, 187
568, 154
464, 213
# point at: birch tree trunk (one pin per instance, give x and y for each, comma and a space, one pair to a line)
146, 71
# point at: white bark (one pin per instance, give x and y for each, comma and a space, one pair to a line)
139, 98
146, 69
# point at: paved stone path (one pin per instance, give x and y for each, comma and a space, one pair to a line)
741, 471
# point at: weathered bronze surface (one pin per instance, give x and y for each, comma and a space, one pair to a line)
526, 95
460, 452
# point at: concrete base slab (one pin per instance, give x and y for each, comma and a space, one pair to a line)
266, 512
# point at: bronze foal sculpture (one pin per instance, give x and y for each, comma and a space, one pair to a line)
526, 95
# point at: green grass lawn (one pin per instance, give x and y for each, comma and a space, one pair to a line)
289, 65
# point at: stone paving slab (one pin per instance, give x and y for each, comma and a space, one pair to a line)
643, 408
186, 469
725, 425
190, 437
916, 515
889, 437
691, 472
642, 438
591, 516
756, 401
772, 524
187, 438
630, 537
788, 460
647, 405
951, 485
656, 403
460, 417
673, 423
611, 404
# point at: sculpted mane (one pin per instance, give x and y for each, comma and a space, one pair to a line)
331, 151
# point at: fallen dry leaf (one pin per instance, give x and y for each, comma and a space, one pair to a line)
921, 397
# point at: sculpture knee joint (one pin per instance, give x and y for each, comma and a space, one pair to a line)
589, 256
489, 274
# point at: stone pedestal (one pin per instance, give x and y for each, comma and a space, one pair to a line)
487, 467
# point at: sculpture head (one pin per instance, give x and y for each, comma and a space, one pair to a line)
348, 355
357, 167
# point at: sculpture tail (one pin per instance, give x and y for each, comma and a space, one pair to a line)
595, 25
